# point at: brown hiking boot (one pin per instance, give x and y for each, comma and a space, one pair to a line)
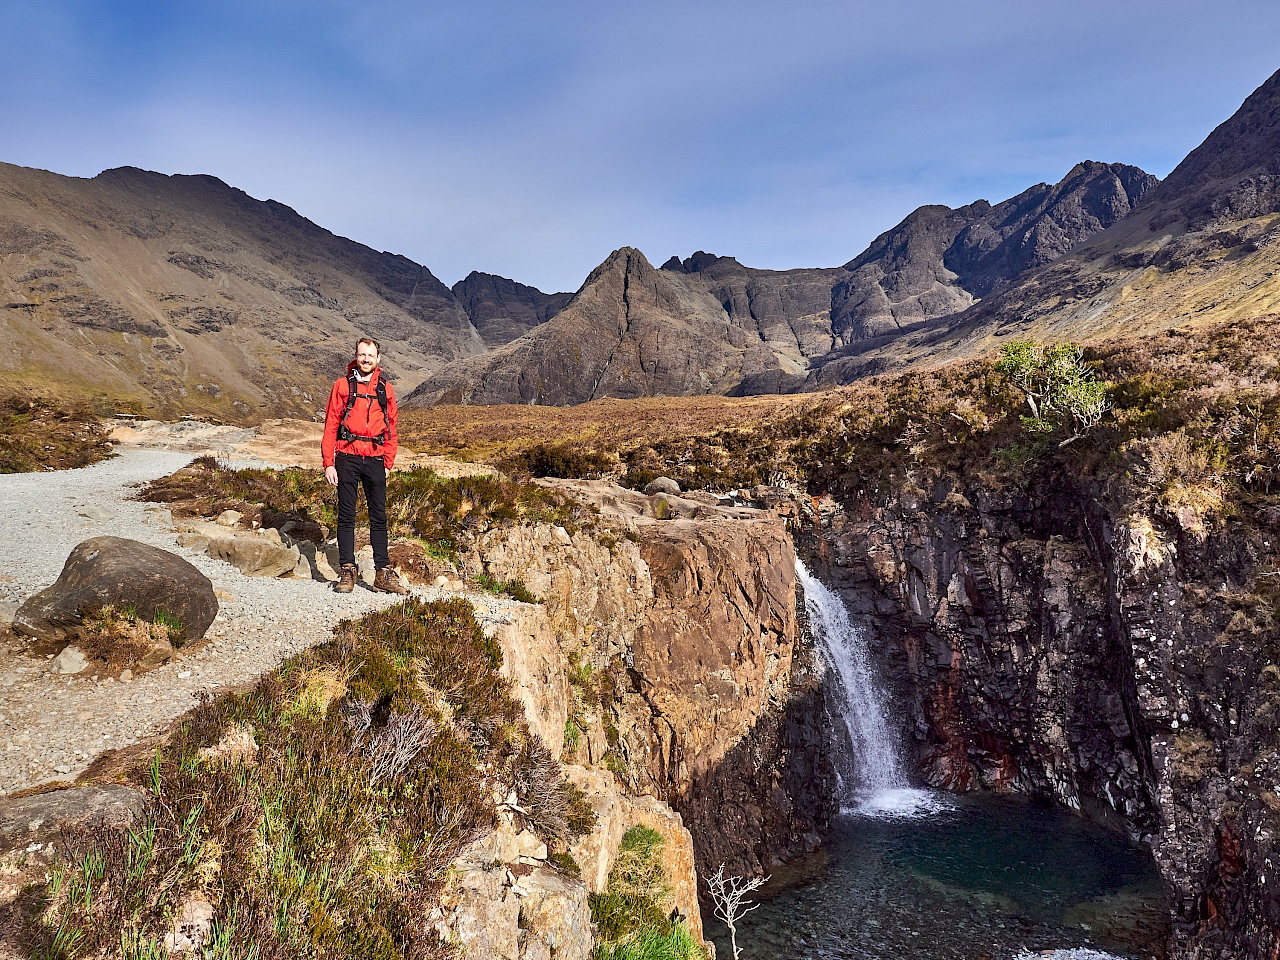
388, 581
347, 582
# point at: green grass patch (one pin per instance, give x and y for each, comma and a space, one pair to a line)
633, 912
515, 588
318, 812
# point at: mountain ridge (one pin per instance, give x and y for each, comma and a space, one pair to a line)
746, 330
183, 295
1203, 246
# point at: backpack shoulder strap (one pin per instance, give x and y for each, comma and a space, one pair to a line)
381, 390
352, 387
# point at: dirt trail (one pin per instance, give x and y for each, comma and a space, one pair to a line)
52, 727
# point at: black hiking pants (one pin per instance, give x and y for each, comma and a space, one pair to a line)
371, 473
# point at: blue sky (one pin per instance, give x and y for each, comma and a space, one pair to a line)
530, 140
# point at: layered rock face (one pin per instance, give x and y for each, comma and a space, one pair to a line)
1062, 645
631, 331
941, 261
709, 324
686, 676
502, 309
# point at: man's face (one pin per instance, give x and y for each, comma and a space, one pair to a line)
366, 357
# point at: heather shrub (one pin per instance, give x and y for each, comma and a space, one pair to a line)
372, 759
444, 514
38, 433
560, 460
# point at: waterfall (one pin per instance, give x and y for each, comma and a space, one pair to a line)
872, 780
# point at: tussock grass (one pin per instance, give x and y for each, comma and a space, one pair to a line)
39, 433
632, 913
444, 514
378, 754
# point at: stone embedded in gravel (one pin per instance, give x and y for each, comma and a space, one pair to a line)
128, 574
229, 518
158, 514
193, 541
303, 570
71, 660
255, 557
97, 513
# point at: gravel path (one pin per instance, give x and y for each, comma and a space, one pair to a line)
52, 727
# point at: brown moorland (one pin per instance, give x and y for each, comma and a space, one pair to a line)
498, 433
40, 433
1195, 422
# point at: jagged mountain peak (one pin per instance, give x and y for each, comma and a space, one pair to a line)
699, 262
501, 309
1234, 174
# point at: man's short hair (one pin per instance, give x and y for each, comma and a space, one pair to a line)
371, 342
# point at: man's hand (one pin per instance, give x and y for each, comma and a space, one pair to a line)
331, 474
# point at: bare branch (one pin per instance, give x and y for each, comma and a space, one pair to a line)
728, 894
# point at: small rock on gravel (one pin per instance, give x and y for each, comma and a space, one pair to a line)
71, 660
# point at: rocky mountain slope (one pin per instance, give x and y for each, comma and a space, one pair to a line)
1203, 245
182, 295
502, 309
636, 331
708, 324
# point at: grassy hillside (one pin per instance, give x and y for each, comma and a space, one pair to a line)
317, 813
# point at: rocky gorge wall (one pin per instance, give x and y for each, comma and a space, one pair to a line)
667, 648
1060, 642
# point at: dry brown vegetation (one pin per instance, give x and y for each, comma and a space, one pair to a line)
494, 434
39, 433
1195, 425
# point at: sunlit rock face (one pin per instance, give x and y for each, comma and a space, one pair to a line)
690, 680
1059, 642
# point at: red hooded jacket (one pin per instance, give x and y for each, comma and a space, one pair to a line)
365, 420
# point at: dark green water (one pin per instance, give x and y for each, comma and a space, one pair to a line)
993, 877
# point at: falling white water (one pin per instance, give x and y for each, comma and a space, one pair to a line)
872, 782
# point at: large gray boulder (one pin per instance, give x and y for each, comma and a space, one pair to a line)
127, 574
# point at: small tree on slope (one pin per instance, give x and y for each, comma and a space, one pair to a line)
1060, 389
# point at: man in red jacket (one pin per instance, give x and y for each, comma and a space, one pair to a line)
358, 449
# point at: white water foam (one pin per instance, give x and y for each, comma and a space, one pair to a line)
1076, 953
872, 781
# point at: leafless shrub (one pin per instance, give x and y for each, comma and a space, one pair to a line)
539, 783
729, 894
393, 748
358, 716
